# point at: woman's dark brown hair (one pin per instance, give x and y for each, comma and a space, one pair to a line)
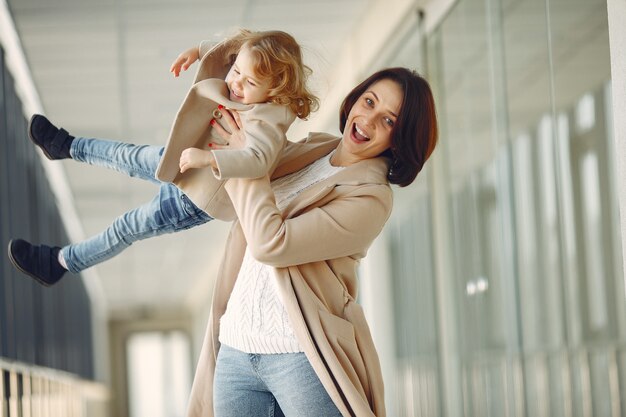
414, 134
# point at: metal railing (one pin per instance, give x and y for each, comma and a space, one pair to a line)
31, 391
586, 381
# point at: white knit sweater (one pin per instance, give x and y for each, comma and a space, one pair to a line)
256, 320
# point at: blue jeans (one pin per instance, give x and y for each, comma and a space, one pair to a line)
283, 384
170, 211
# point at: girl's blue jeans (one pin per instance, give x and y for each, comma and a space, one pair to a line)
283, 384
169, 211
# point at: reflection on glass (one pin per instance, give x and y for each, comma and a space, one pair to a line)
585, 113
593, 241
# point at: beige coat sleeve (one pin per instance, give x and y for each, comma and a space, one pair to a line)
341, 226
205, 46
265, 129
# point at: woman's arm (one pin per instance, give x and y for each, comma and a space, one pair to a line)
264, 128
251, 152
345, 225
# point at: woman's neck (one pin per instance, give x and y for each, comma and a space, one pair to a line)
341, 158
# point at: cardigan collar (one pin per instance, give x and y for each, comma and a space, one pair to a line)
300, 154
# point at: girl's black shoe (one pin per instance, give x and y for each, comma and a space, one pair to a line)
39, 262
54, 142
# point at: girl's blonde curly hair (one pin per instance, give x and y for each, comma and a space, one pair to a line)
278, 57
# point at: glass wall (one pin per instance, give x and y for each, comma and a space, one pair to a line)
414, 310
532, 244
48, 327
46, 343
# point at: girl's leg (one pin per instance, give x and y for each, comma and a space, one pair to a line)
170, 211
139, 161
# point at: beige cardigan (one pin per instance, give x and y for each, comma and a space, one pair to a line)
265, 126
315, 244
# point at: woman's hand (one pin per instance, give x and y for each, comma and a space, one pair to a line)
236, 138
184, 60
196, 158
199, 158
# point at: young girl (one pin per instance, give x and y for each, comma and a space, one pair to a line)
259, 74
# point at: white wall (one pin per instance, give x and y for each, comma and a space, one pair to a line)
617, 41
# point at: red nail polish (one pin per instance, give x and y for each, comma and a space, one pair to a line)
220, 107
212, 122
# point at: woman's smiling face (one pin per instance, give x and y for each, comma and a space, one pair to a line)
369, 124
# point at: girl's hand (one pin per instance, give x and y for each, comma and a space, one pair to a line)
196, 158
184, 60
236, 138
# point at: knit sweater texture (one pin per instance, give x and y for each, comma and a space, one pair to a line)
255, 320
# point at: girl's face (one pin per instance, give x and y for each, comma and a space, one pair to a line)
367, 132
244, 84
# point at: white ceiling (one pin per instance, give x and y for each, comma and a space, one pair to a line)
101, 69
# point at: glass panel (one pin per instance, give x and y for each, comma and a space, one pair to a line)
5, 267
532, 131
593, 277
468, 59
46, 327
413, 280
582, 73
535, 248
414, 308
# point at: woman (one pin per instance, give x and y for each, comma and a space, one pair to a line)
285, 336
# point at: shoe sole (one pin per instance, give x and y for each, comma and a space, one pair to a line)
16, 265
32, 138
